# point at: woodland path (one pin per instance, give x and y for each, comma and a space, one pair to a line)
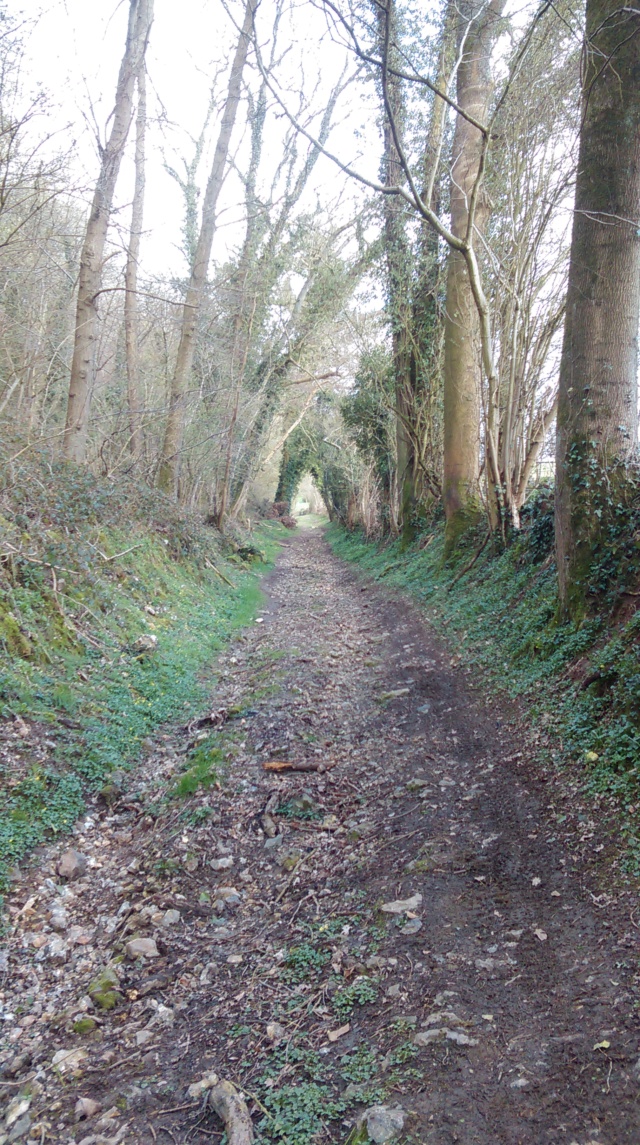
514, 968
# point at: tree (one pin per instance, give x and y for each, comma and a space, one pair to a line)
597, 411
477, 30
131, 271
169, 469
91, 261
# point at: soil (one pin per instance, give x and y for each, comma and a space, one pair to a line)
519, 955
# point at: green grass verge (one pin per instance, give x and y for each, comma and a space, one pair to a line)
70, 666
503, 613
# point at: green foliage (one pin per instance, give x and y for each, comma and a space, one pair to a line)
360, 992
304, 960
74, 667
298, 1113
367, 413
201, 770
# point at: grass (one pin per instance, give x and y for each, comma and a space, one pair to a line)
502, 618
89, 568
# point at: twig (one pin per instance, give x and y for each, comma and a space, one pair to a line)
473, 560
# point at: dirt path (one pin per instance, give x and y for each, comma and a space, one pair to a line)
498, 1007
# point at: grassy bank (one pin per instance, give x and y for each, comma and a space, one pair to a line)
582, 683
112, 606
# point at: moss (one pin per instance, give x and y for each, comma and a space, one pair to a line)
459, 526
12, 637
104, 991
87, 1025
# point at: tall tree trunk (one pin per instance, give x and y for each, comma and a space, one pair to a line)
398, 258
597, 404
462, 361
131, 274
91, 259
169, 469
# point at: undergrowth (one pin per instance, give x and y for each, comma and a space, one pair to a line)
582, 681
112, 604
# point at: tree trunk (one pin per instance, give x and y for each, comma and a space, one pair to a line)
398, 259
462, 360
597, 406
168, 472
131, 274
91, 260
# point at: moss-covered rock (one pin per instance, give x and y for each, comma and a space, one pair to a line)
104, 990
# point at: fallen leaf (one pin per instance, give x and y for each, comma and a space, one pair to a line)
333, 1035
605, 1045
541, 934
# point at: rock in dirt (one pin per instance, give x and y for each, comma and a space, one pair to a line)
17, 1109
141, 948
86, 1108
380, 1123
275, 1032
69, 1061
72, 865
401, 906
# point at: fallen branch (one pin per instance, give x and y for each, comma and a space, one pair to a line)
232, 1110
471, 563
210, 565
286, 765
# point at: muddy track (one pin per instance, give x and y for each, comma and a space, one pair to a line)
500, 1008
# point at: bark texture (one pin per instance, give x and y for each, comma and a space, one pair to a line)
92, 256
131, 274
462, 359
169, 468
597, 404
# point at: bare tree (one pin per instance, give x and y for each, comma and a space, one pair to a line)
91, 262
131, 271
169, 469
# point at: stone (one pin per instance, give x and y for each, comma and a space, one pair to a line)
20, 1129
383, 1123
145, 643
171, 918
269, 826
411, 927
104, 990
17, 1109
144, 1036
72, 865
86, 1108
208, 974
275, 1032
141, 948
222, 864
16, 1065
460, 1039
226, 897
69, 1061
272, 843
401, 906
427, 1037
59, 920
57, 950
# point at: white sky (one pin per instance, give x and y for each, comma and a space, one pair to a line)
74, 49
